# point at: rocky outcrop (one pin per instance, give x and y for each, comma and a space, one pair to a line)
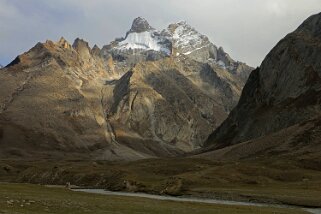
82, 49
96, 51
63, 43
140, 25
284, 92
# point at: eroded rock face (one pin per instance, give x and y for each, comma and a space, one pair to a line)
159, 102
283, 92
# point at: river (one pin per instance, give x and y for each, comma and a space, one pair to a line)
195, 200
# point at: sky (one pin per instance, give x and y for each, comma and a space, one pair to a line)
246, 29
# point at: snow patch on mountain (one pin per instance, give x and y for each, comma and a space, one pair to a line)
191, 51
143, 41
221, 63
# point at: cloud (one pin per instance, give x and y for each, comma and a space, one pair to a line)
247, 29
275, 7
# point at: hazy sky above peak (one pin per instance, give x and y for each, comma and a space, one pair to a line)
246, 29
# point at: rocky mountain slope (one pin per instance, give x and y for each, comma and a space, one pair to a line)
279, 111
141, 96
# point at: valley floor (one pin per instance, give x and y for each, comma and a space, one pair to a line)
27, 198
272, 181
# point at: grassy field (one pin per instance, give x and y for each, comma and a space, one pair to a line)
257, 181
27, 198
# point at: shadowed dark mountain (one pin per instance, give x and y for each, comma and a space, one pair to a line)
280, 107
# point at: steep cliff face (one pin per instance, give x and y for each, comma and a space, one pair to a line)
129, 100
284, 92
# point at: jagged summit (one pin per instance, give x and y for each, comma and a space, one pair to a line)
140, 25
78, 42
80, 45
83, 49
63, 43
96, 50
96, 46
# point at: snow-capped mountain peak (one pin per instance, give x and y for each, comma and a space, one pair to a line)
180, 36
177, 39
143, 37
140, 25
